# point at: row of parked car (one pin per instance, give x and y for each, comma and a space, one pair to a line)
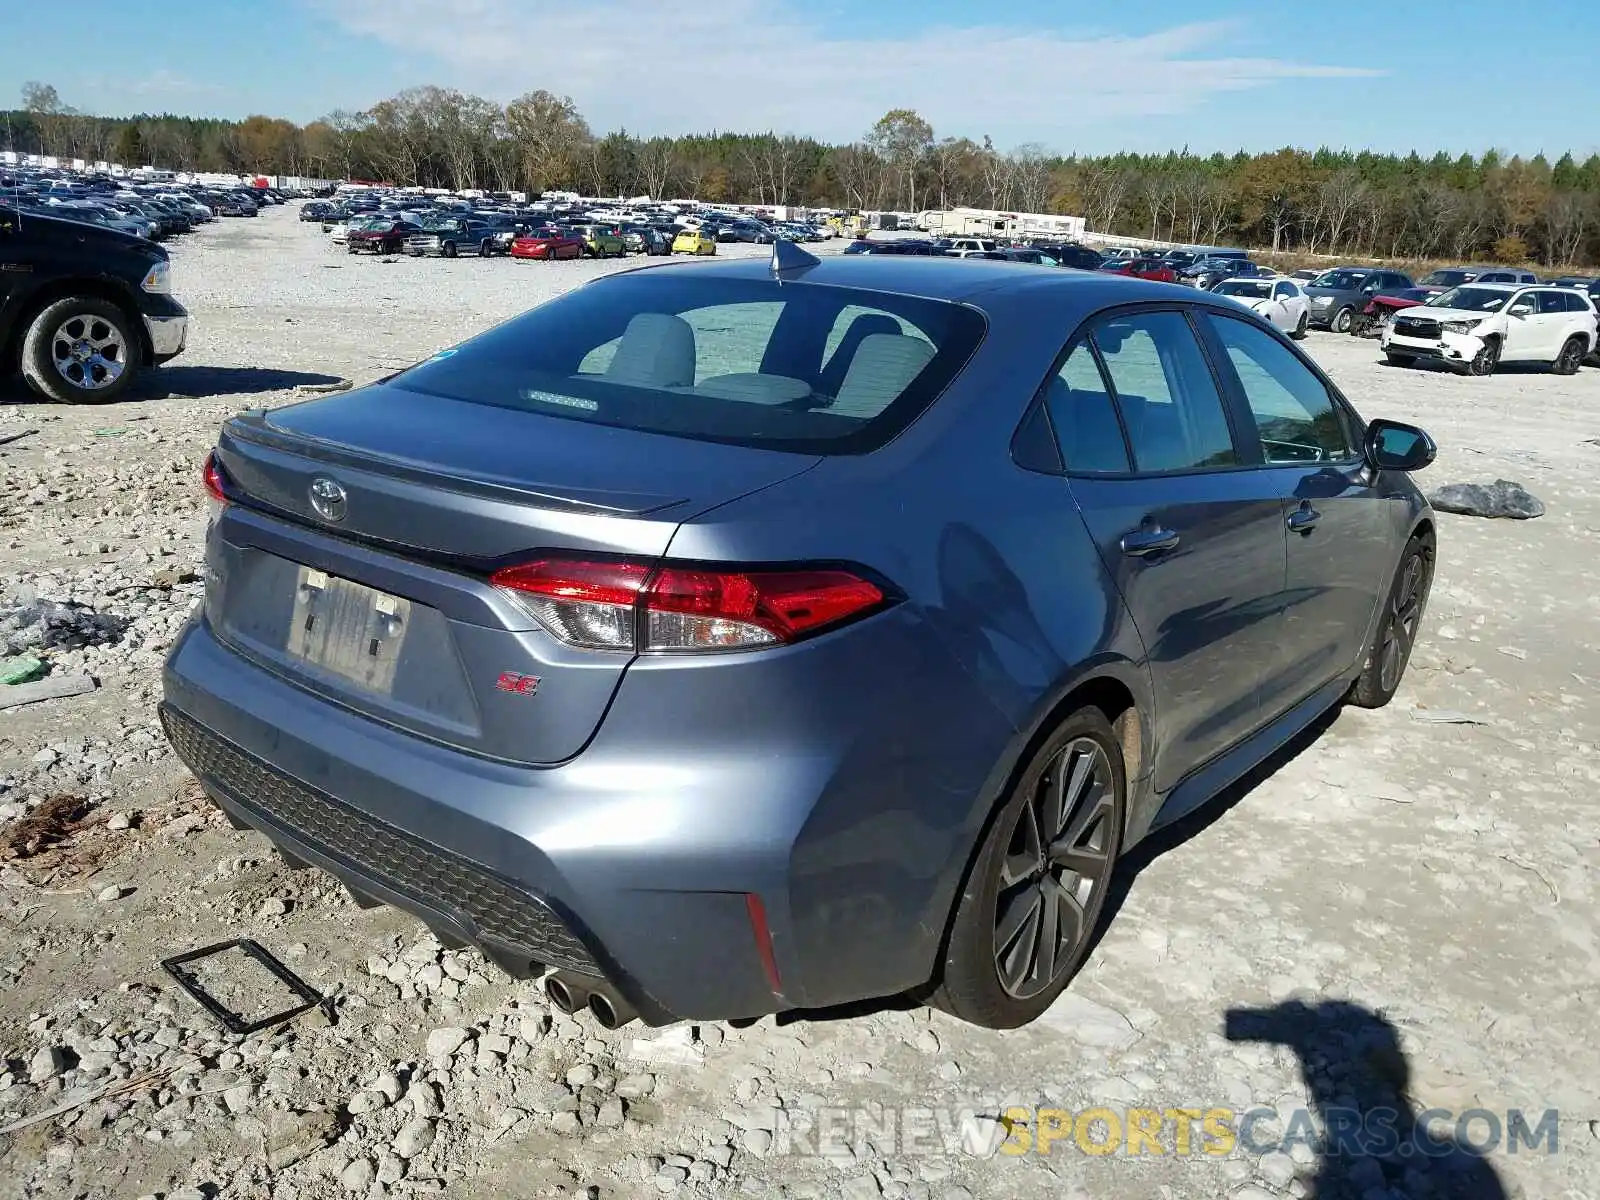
1479, 316
449, 227
153, 211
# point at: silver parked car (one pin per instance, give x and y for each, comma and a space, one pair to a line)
738, 637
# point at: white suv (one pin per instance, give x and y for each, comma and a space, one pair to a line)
1479, 325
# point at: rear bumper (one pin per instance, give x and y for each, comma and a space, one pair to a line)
638, 859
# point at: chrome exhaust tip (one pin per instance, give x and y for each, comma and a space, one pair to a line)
565, 992
610, 1010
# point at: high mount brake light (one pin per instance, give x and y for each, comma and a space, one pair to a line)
630, 606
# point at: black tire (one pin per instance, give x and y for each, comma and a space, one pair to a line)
1571, 356
1300, 329
1400, 360
86, 321
1485, 360
448, 249
995, 971
1341, 320
1396, 634
484, 249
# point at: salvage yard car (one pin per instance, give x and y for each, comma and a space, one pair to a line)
754, 636
1338, 295
450, 236
1476, 327
83, 308
380, 236
694, 241
1279, 301
600, 242
551, 242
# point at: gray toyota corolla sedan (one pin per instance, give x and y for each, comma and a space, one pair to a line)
740, 636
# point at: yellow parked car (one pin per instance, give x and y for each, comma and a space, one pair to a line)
692, 241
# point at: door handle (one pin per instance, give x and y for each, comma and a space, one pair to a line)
1148, 539
1304, 519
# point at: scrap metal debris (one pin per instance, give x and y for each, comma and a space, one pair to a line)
28, 623
1502, 498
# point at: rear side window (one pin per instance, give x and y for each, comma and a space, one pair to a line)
791, 366
1166, 395
1084, 418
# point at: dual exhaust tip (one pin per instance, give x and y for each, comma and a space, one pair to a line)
572, 993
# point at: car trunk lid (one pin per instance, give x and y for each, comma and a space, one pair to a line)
356, 562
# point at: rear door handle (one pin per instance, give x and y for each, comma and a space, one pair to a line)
1148, 539
1304, 519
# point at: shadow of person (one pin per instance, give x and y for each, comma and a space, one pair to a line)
1371, 1144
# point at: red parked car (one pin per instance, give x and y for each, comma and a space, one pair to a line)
547, 243
381, 236
1142, 268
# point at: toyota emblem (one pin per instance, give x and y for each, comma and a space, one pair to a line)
328, 498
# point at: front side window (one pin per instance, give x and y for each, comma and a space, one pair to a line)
1295, 416
1166, 395
810, 369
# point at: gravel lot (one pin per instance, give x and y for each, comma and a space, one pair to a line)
1423, 877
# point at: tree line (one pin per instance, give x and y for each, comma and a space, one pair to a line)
1511, 209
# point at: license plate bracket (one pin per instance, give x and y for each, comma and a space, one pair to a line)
348, 629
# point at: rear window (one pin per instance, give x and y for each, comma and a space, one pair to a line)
790, 366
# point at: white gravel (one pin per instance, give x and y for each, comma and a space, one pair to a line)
1440, 874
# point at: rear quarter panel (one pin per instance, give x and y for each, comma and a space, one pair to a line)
1005, 608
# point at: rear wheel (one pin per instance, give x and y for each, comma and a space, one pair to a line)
1033, 895
484, 249
80, 351
1341, 320
1397, 628
1570, 358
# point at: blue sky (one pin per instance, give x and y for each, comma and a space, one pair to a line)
1137, 74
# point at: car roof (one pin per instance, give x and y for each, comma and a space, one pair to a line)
953, 279
1499, 287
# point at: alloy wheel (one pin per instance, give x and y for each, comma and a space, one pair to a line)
1571, 357
1484, 362
1405, 614
89, 352
1058, 857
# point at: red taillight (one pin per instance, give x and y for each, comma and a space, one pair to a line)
627, 606
214, 479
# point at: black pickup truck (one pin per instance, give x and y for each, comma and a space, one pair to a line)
83, 308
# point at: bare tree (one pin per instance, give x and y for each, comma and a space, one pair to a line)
657, 159
1105, 189
553, 136
1030, 168
860, 172
1159, 191
1567, 216
999, 179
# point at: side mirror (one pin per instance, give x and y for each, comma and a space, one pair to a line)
1520, 310
1393, 446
